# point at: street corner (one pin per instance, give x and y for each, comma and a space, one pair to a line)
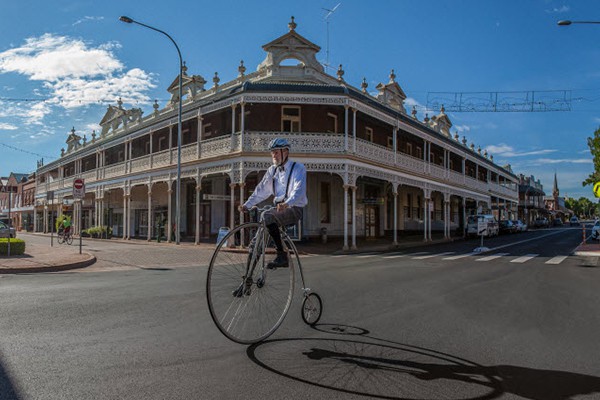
29, 264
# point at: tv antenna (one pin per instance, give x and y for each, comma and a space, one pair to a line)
327, 17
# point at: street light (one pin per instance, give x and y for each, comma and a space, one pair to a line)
178, 182
566, 22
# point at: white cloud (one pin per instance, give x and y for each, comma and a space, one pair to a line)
7, 127
542, 161
87, 19
73, 74
507, 151
462, 128
561, 9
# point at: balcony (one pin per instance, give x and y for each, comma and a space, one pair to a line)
318, 144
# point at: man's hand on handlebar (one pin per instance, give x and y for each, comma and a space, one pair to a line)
281, 206
242, 208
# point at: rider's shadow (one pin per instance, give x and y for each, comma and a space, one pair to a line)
390, 370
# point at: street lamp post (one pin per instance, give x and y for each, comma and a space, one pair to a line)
178, 182
566, 22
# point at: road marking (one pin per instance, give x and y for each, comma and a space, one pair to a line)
395, 256
417, 254
339, 255
433, 255
366, 256
556, 260
489, 258
458, 256
524, 258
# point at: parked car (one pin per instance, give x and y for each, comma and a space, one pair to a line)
507, 226
557, 222
5, 231
473, 223
540, 222
596, 231
574, 221
521, 226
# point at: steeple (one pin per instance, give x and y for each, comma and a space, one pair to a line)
555, 191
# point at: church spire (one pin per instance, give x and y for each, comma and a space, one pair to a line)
555, 191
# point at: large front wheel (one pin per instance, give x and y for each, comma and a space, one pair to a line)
246, 300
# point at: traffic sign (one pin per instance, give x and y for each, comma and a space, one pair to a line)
78, 188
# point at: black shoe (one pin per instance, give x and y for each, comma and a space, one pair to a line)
281, 261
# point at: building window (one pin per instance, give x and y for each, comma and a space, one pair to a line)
162, 143
409, 202
409, 149
325, 206
332, 123
369, 134
206, 130
290, 119
390, 142
419, 152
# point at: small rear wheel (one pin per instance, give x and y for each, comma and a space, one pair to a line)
312, 308
60, 239
69, 239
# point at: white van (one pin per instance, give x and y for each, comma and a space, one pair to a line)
492, 225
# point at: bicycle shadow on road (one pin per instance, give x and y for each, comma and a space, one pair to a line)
7, 390
365, 365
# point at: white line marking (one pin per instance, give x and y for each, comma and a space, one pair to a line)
433, 255
524, 258
395, 256
340, 255
489, 258
556, 260
366, 256
458, 256
417, 254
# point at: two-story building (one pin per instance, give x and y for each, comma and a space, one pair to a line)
531, 200
373, 170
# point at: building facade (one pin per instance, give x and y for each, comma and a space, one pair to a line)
531, 200
17, 196
373, 170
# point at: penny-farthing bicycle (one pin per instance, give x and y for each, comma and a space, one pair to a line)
247, 300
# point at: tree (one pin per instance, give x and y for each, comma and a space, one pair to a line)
594, 145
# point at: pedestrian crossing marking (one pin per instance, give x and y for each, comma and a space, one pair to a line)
556, 260
367, 256
458, 256
524, 258
493, 257
395, 256
417, 254
433, 255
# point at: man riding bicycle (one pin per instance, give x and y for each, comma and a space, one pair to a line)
286, 181
66, 225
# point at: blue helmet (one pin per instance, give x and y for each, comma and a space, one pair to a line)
279, 143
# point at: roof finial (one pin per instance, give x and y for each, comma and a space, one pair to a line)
216, 80
414, 112
120, 103
340, 73
364, 85
241, 69
184, 69
392, 77
292, 25
442, 109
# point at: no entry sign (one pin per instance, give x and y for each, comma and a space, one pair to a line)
78, 188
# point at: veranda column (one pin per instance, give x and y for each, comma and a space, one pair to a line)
124, 215
354, 130
345, 217
346, 106
45, 221
198, 194
169, 211
394, 140
242, 124
232, 206
149, 213
395, 243
425, 217
354, 217
128, 216
35, 219
431, 216
242, 238
464, 216
233, 106
446, 222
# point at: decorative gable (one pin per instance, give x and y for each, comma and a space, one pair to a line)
73, 141
392, 94
190, 86
290, 46
115, 116
441, 123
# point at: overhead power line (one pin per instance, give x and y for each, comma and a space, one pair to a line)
523, 101
25, 151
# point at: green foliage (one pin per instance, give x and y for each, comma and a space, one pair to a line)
98, 231
17, 247
60, 220
582, 207
594, 145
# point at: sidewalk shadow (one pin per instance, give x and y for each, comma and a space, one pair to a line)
365, 365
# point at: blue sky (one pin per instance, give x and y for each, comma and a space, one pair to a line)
63, 62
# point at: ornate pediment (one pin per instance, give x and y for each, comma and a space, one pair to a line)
117, 116
73, 141
190, 86
392, 94
291, 46
441, 123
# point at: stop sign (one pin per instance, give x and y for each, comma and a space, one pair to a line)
78, 188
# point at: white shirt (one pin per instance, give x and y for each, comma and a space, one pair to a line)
277, 178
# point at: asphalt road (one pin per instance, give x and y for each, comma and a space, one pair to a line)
438, 322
